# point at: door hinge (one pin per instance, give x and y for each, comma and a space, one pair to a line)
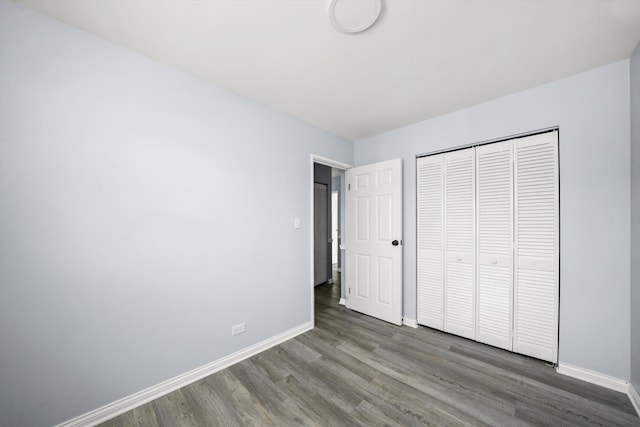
349, 290
349, 187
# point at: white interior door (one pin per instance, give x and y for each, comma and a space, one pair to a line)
494, 275
459, 229
536, 286
430, 188
374, 250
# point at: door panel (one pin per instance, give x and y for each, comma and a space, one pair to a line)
536, 290
385, 280
384, 205
363, 218
459, 229
375, 222
494, 176
363, 278
430, 188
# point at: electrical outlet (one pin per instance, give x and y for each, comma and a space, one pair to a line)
238, 329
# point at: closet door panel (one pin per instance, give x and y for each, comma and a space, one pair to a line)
459, 226
494, 179
536, 291
430, 241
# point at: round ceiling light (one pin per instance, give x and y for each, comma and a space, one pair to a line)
354, 16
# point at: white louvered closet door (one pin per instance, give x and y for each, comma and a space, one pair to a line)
430, 190
536, 246
459, 226
494, 275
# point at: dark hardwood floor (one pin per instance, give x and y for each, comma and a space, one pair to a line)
355, 370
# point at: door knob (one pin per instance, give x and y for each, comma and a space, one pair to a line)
395, 243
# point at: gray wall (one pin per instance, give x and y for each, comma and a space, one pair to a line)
635, 218
322, 175
592, 111
133, 230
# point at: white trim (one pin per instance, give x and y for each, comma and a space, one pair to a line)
330, 162
125, 404
343, 301
634, 398
407, 321
593, 377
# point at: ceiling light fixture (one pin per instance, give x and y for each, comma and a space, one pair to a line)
354, 16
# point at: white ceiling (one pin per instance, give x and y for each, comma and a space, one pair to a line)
423, 58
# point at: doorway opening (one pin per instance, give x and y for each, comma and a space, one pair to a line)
328, 231
372, 261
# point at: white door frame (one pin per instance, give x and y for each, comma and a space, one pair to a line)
314, 158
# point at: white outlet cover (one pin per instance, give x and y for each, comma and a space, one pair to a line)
238, 329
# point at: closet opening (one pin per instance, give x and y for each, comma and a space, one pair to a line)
488, 243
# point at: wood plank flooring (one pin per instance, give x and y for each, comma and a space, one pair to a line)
355, 370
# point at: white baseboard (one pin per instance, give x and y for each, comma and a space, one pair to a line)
593, 377
634, 398
125, 404
343, 301
410, 322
